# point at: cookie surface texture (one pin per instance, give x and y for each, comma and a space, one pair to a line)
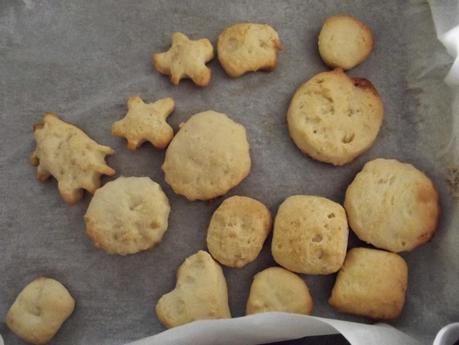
186, 59
372, 283
207, 157
392, 205
310, 235
248, 47
146, 122
65, 152
39, 310
334, 118
237, 230
200, 293
276, 289
344, 42
127, 215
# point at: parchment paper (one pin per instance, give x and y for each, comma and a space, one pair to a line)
83, 59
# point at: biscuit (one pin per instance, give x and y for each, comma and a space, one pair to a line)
146, 122
344, 42
334, 118
237, 230
248, 47
200, 293
207, 157
276, 289
372, 283
310, 235
65, 152
392, 205
127, 215
39, 310
186, 59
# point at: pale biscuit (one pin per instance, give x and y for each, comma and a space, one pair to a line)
276, 289
310, 235
392, 205
39, 310
207, 157
237, 230
65, 152
186, 59
200, 293
334, 118
344, 42
146, 122
127, 215
248, 47
372, 283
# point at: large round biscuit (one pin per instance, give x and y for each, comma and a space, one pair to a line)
207, 157
310, 235
237, 230
276, 289
127, 215
334, 118
392, 205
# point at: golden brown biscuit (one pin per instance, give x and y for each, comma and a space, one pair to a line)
237, 230
186, 59
310, 235
207, 157
65, 152
146, 122
276, 289
334, 118
372, 283
200, 293
392, 205
248, 47
344, 42
127, 215
39, 310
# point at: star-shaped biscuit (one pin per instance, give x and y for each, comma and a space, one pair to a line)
146, 122
186, 59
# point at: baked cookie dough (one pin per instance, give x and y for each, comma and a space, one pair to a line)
39, 310
127, 215
344, 42
207, 157
200, 293
248, 47
310, 235
237, 230
392, 205
372, 283
276, 289
65, 152
335, 118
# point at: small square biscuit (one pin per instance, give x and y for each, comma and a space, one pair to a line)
372, 283
39, 310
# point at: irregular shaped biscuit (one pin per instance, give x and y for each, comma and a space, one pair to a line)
65, 152
344, 42
372, 283
248, 47
127, 215
39, 310
186, 59
237, 231
392, 205
200, 293
310, 235
146, 122
334, 118
276, 289
207, 157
